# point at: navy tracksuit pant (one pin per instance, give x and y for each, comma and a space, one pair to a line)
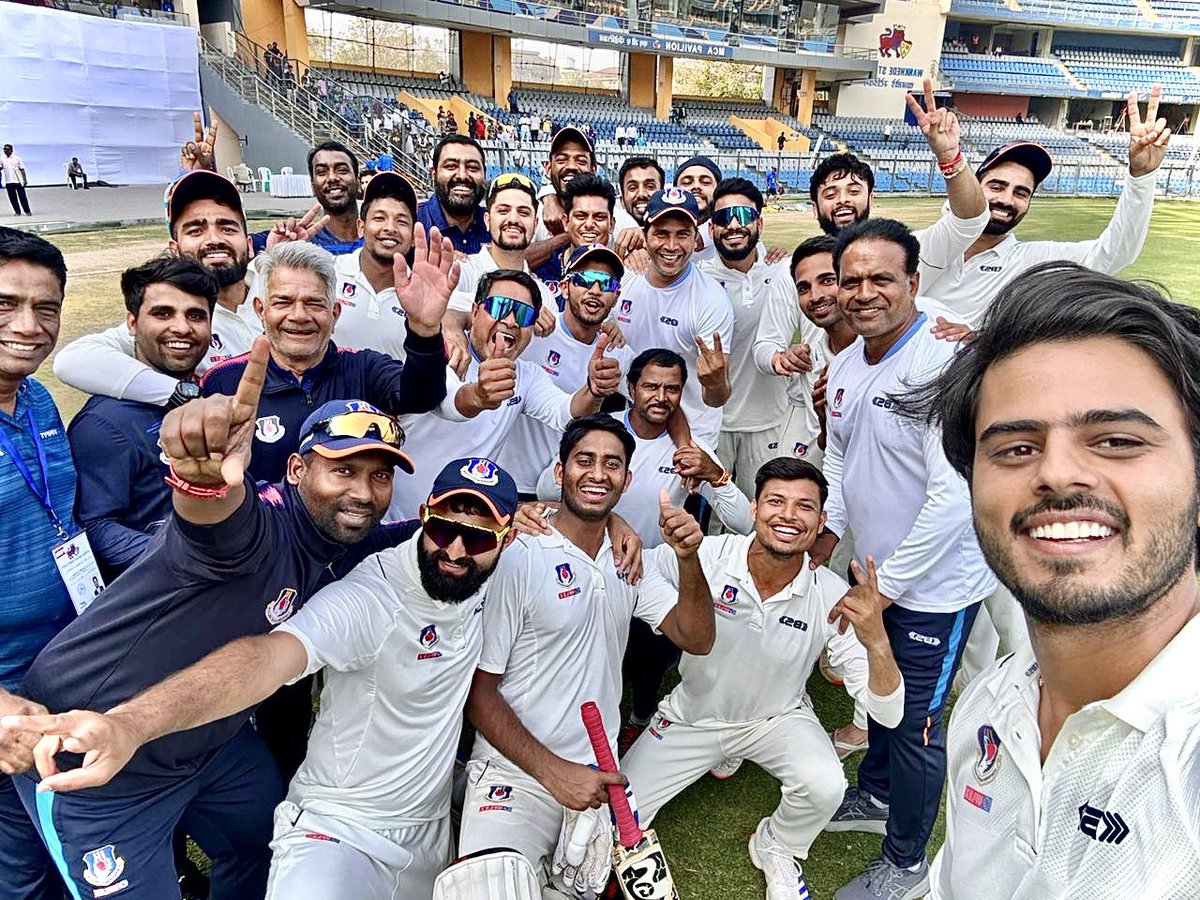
905, 766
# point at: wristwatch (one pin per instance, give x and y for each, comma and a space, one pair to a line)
184, 391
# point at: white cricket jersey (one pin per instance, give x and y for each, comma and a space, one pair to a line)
758, 401
398, 667
368, 320
890, 482
671, 318
968, 287
431, 440
1115, 810
623, 220
531, 446
555, 627
945, 241
475, 266
766, 647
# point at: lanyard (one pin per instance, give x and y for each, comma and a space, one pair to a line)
43, 495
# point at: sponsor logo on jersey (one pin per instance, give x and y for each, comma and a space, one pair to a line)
348, 289
884, 402
924, 639
514, 401
1101, 825
269, 429
101, 869
398, 311
667, 320
216, 343
978, 798
667, 470
991, 268
837, 403
317, 836
800, 449
553, 357
774, 445
480, 470
798, 624
988, 764
282, 606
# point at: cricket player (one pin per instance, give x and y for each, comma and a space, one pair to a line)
554, 636
747, 697
368, 813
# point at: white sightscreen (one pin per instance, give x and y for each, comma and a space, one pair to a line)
119, 95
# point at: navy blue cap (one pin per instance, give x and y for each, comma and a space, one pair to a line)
698, 161
579, 254
320, 441
200, 184
672, 200
1032, 156
391, 184
480, 478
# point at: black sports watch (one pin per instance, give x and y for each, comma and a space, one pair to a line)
184, 391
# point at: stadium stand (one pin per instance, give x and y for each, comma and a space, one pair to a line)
1012, 74
1112, 71
1177, 16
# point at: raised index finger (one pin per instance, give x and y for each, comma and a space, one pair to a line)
915, 107
700, 343
308, 217
930, 100
1152, 105
1132, 110
197, 125
249, 389
872, 578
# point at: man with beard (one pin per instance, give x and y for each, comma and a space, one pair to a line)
640, 176
589, 203
121, 500
700, 177
543, 657
333, 168
398, 639
752, 416
371, 316
747, 698
890, 484
842, 188
591, 286
1073, 763
459, 175
206, 224
234, 560
1010, 176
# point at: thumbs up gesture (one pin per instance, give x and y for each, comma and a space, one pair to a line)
497, 376
679, 529
604, 372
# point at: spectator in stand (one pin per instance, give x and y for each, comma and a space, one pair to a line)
15, 179
781, 140
620, 135
441, 120
471, 124
524, 123
451, 123
75, 174
631, 134
512, 100
547, 127
480, 132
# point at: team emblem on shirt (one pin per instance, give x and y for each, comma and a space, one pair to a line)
427, 638
564, 574
553, 357
837, 398
348, 289
216, 342
101, 869
282, 607
988, 764
480, 471
500, 792
800, 449
496, 797
269, 429
729, 596
659, 727
626, 309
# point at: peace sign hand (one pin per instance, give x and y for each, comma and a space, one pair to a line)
293, 229
424, 289
208, 440
712, 370
863, 607
940, 126
1148, 139
200, 152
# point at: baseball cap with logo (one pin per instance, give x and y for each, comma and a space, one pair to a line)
672, 200
594, 251
571, 133
480, 478
1032, 156
342, 428
200, 184
391, 184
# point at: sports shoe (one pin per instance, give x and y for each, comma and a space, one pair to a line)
725, 769
859, 812
827, 671
846, 748
884, 880
785, 878
629, 733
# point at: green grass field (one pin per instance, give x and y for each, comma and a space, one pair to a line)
705, 829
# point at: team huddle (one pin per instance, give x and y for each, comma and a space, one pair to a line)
488, 458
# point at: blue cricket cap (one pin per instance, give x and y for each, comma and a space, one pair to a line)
321, 435
480, 478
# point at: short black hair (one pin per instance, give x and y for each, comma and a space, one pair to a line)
640, 162
455, 139
879, 230
656, 356
579, 428
838, 165
741, 187
788, 468
588, 184
522, 278
20, 245
187, 275
336, 147
394, 191
822, 243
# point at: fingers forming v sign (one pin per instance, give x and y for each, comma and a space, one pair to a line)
200, 152
940, 126
710, 366
1148, 139
424, 288
293, 229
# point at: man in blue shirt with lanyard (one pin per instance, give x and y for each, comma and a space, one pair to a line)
234, 560
37, 494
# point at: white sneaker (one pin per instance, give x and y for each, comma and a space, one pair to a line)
725, 769
785, 878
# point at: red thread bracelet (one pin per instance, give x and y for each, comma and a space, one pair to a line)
177, 483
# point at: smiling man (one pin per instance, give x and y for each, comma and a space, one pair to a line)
700, 176
638, 179
459, 176
589, 203
1075, 415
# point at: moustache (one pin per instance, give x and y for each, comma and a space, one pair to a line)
1067, 504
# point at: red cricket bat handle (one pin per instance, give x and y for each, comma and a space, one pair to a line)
627, 826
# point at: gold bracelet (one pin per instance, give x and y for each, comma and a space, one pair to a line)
726, 475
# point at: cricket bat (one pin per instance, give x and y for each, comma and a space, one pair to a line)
638, 858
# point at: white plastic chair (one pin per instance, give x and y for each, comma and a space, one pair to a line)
264, 176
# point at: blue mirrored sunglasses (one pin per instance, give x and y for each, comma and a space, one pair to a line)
588, 277
744, 214
499, 307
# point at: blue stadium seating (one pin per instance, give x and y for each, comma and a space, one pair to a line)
1173, 16
1114, 72
1009, 74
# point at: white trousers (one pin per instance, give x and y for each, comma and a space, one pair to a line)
325, 858
796, 437
793, 747
505, 807
999, 624
745, 451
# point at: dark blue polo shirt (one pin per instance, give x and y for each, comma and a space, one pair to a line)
195, 589
470, 242
121, 500
415, 386
323, 238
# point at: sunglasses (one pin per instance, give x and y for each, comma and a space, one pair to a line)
511, 178
499, 308
475, 538
744, 215
588, 277
361, 425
